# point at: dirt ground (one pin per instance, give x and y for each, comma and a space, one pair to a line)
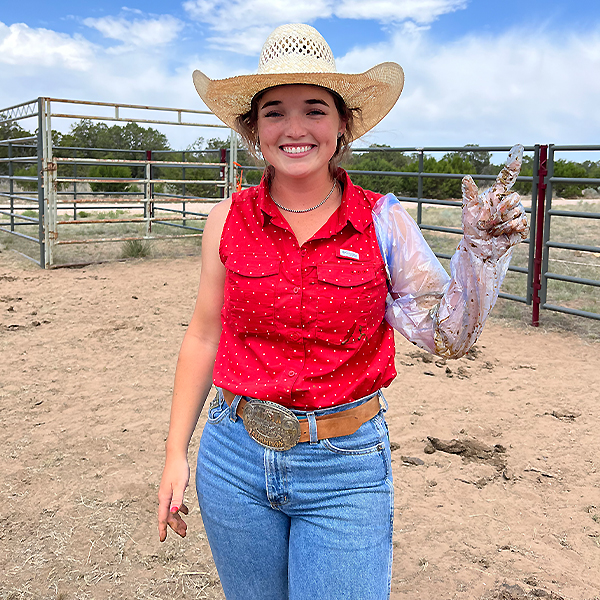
510, 511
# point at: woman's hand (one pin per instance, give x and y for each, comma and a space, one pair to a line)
495, 220
175, 478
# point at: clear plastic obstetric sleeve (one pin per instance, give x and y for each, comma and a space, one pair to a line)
441, 314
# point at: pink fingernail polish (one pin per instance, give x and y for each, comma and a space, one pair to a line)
174, 509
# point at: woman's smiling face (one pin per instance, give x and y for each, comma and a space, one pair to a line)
298, 127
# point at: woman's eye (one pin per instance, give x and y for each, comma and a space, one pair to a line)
272, 113
316, 111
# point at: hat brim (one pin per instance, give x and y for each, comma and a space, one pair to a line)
373, 92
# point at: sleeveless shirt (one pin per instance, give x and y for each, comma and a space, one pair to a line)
303, 326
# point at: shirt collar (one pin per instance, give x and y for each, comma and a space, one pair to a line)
268, 210
354, 209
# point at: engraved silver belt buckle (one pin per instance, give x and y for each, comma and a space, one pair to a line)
271, 425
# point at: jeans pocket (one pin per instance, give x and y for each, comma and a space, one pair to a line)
217, 410
369, 438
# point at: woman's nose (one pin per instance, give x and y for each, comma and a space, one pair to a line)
295, 127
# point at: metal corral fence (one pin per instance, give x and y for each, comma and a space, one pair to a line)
532, 260
159, 205
422, 202
35, 207
547, 244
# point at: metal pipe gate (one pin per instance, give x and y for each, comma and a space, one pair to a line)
49, 200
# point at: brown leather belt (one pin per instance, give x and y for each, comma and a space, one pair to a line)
328, 426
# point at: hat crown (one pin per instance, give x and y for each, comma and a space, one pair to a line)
296, 48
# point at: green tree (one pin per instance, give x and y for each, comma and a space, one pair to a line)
433, 187
378, 160
437, 187
87, 134
523, 187
197, 152
132, 138
592, 168
480, 159
110, 172
566, 168
9, 131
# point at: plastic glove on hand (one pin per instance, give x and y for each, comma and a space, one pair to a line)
495, 220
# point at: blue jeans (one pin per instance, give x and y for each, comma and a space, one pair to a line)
314, 521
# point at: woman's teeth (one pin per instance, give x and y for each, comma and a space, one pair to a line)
296, 149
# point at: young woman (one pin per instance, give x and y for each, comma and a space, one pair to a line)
301, 278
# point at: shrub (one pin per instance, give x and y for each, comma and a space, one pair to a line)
136, 249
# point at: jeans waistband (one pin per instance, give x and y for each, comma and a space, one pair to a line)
303, 414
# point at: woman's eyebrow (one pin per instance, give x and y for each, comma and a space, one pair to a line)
270, 103
310, 102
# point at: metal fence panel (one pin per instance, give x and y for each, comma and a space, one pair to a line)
50, 199
549, 243
21, 152
171, 208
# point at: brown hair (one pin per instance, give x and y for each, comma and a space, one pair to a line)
247, 127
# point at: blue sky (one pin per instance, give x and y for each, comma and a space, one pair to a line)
477, 71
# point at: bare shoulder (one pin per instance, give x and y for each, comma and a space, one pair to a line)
206, 318
218, 214
215, 222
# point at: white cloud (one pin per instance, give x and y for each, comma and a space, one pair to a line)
144, 33
420, 11
136, 11
27, 47
249, 43
240, 15
522, 86
264, 15
243, 25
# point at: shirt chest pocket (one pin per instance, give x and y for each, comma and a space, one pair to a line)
250, 292
350, 303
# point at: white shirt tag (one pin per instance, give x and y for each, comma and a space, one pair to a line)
350, 254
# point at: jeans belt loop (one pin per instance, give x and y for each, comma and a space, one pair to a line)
233, 408
312, 428
385, 402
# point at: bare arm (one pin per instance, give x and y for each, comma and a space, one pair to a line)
193, 375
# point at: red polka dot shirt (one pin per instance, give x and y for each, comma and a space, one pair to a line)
303, 326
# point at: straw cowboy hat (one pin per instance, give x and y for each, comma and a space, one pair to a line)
295, 54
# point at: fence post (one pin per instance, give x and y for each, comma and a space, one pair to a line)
532, 223
149, 210
539, 235
50, 187
420, 189
11, 187
233, 159
547, 217
41, 175
183, 187
223, 171
74, 186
